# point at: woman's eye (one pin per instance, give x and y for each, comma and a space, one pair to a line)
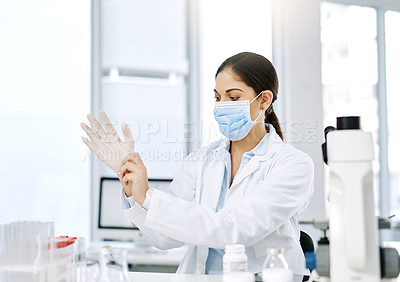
233, 98
217, 98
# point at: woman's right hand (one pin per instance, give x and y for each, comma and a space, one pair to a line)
133, 175
127, 189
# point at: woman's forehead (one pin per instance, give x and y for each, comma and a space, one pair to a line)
227, 80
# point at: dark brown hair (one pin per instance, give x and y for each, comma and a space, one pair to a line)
258, 73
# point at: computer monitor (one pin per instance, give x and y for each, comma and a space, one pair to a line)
112, 223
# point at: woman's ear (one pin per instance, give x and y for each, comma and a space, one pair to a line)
266, 99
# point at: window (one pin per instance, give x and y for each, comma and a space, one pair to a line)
44, 96
349, 67
392, 23
355, 82
226, 28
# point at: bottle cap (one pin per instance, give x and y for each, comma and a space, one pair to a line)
234, 248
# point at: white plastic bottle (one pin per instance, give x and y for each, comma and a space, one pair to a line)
275, 268
234, 259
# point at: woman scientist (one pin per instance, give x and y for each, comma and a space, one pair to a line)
247, 188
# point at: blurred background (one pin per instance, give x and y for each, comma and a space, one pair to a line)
152, 64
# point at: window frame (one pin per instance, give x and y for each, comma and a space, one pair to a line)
381, 7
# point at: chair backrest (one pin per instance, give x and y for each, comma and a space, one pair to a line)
307, 245
306, 242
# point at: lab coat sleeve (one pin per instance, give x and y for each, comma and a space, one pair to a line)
285, 191
157, 239
183, 185
126, 202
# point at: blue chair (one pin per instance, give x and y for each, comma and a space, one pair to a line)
307, 245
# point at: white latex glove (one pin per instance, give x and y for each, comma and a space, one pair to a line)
106, 144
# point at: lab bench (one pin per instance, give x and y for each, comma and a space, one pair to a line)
169, 277
142, 258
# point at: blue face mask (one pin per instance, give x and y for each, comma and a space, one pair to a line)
234, 118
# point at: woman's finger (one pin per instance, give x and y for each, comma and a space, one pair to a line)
96, 126
129, 144
135, 158
93, 147
138, 159
126, 131
124, 170
95, 139
107, 123
127, 167
129, 177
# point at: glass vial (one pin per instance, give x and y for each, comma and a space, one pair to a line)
113, 265
234, 259
275, 268
80, 259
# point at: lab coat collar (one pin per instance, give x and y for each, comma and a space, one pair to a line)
272, 145
224, 145
264, 148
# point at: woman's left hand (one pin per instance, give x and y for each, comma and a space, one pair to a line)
134, 175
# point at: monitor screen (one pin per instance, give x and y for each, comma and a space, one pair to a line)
110, 215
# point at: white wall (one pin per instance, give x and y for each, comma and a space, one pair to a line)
297, 57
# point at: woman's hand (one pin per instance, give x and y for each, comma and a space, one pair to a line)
126, 187
105, 142
133, 176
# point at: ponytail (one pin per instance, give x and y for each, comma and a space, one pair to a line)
271, 117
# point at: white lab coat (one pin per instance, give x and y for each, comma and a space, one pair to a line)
261, 209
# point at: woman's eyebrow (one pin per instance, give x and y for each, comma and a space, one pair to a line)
232, 89
229, 90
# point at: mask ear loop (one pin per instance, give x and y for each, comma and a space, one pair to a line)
255, 97
258, 116
260, 110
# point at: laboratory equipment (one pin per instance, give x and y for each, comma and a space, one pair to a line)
275, 268
113, 265
389, 259
322, 256
354, 245
80, 259
23, 250
234, 259
29, 252
322, 253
